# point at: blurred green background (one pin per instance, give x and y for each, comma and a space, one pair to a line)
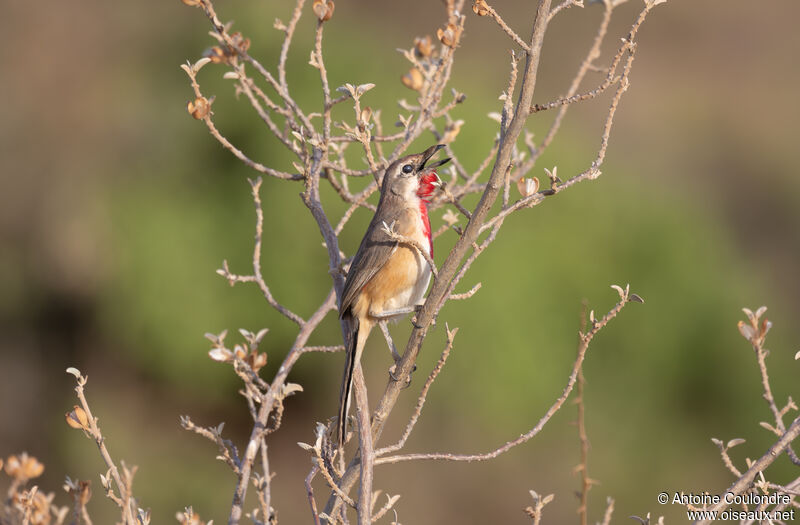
116, 208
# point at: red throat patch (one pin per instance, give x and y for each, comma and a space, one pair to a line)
424, 193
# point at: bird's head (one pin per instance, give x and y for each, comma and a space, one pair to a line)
410, 176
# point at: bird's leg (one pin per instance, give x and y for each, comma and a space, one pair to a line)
387, 314
388, 337
395, 354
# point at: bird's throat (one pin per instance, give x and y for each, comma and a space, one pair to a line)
424, 193
426, 224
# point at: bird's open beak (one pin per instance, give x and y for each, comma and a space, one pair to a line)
430, 152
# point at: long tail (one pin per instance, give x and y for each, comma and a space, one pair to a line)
351, 358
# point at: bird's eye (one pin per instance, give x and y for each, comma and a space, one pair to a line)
408, 168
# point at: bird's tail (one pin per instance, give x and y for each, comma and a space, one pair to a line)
351, 358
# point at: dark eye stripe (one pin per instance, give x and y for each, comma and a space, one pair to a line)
408, 168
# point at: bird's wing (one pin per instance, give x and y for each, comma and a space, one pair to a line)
375, 249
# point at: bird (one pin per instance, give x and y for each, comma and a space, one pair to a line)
387, 278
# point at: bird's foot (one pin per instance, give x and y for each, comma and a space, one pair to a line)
396, 378
414, 319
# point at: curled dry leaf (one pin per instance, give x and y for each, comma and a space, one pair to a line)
450, 217
451, 131
746, 330
413, 79
222, 355
528, 187
23, 467
734, 442
77, 418
748, 313
256, 360
766, 324
199, 108
323, 9
241, 43
495, 116
480, 8
423, 47
366, 115
200, 63
363, 88
217, 55
80, 490
450, 35
291, 388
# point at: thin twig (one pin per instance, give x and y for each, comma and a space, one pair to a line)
123, 500
586, 338
451, 334
225, 142
310, 493
758, 466
583, 467
402, 239
506, 29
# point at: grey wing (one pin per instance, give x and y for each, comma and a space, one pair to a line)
372, 254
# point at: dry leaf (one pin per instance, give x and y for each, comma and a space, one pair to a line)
480, 8
413, 79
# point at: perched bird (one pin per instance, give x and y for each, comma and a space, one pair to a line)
388, 279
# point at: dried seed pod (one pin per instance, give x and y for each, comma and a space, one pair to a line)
449, 35
423, 47
364, 118
323, 9
413, 79
241, 43
77, 418
528, 186
199, 108
217, 55
480, 8
23, 467
451, 131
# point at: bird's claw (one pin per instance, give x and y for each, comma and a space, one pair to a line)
414, 320
395, 378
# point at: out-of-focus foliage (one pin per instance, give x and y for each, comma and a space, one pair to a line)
117, 208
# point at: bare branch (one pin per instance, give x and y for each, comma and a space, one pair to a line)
205, 116
89, 425
366, 450
451, 334
746, 480
564, 5
482, 8
586, 338
257, 277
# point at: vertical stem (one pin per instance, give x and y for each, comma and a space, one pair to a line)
586, 483
366, 449
448, 270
